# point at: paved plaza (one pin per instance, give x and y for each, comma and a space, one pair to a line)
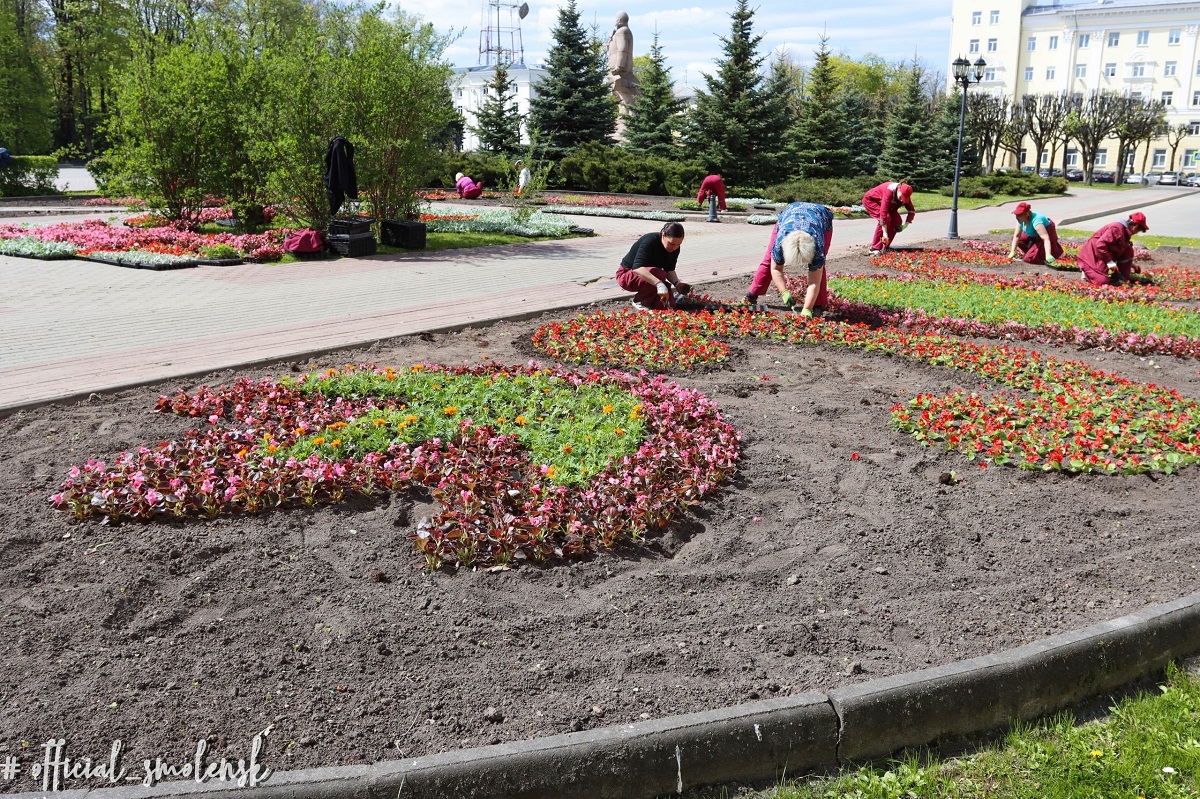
69, 328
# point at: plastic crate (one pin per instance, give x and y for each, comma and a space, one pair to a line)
348, 226
354, 245
403, 233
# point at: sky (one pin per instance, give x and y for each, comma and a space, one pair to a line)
689, 31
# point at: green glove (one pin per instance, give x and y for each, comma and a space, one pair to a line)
904, 226
806, 313
1050, 259
787, 297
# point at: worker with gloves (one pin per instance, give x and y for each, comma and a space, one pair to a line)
1106, 259
648, 270
800, 238
712, 185
1035, 236
883, 205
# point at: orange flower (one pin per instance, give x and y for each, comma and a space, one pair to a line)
520, 420
330, 372
272, 449
449, 410
417, 367
500, 420
410, 418
319, 440
567, 449
608, 409
618, 431
380, 422
337, 442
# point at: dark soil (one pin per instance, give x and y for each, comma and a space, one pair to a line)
811, 570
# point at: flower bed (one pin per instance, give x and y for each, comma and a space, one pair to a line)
142, 259
661, 216
1078, 419
502, 220
95, 235
33, 247
596, 201
528, 463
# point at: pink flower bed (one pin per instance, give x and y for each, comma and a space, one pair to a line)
95, 234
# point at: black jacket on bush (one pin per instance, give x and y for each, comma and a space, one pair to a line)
340, 180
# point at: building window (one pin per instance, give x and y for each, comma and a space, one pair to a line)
1023, 155
1077, 99
1081, 70
1136, 95
1110, 70
1189, 158
1159, 158
1169, 69
1028, 73
1195, 99
1072, 157
973, 46
976, 17
1045, 157
1102, 158
1168, 98
1194, 128
1143, 38
994, 17
993, 45
1085, 40
1139, 71
1049, 73
1173, 36
1031, 45
989, 73
1053, 43
1114, 38
1198, 67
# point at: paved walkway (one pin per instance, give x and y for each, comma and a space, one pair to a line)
68, 328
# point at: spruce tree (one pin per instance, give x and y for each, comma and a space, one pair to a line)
573, 105
781, 102
654, 115
728, 130
905, 150
818, 138
498, 122
862, 135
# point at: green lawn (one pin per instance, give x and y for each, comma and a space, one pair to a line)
1148, 747
1145, 239
932, 201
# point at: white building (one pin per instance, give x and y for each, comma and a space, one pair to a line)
473, 88
1145, 48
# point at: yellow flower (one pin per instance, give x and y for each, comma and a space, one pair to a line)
380, 422
417, 367
608, 409
1097, 753
500, 420
520, 420
550, 471
401, 425
319, 440
330, 372
449, 410
636, 413
410, 418
337, 442
619, 431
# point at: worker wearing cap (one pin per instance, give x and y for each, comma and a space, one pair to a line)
712, 185
1035, 236
1107, 257
883, 205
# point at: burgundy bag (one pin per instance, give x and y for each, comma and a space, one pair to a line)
304, 241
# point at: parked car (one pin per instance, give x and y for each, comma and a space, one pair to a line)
1169, 179
1102, 176
1027, 169
1190, 179
1152, 177
1075, 175
1134, 177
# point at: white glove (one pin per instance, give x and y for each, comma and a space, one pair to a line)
1111, 264
663, 289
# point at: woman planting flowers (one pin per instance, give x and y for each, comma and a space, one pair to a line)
1106, 259
801, 237
648, 269
1035, 236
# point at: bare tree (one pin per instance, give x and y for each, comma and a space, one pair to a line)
987, 115
1013, 135
1089, 123
1137, 121
1175, 135
1046, 114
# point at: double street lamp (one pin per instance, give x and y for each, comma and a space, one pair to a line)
962, 76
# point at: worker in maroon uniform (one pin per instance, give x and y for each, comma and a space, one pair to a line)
883, 205
1106, 259
648, 269
713, 184
1035, 237
467, 188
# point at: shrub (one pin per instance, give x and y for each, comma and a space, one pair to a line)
29, 174
829, 191
493, 170
599, 167
1012, 183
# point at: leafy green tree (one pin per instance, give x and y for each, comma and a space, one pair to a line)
498, 122
25, 112
573, 105
654, 115
818, 137
727, 128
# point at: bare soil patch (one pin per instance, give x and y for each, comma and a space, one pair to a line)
810, 570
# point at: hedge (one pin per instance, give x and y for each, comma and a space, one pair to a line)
603, 168
29, 174
827, 191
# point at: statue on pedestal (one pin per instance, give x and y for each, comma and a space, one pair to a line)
620, 69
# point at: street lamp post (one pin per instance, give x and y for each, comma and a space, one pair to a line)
962, 76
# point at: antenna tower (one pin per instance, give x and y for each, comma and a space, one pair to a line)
500, 32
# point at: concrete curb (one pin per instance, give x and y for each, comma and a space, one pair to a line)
1116, 211
763, 740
